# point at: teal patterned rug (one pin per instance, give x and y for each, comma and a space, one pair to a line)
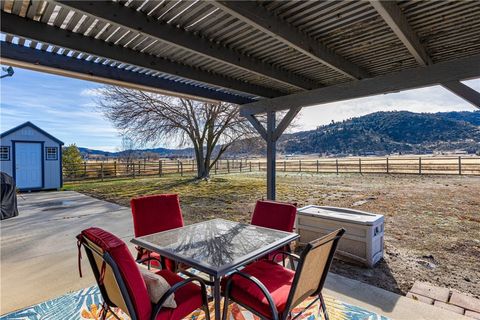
85, 305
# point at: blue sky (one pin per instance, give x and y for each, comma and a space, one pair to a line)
66, 107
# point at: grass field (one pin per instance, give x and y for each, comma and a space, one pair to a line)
432, 230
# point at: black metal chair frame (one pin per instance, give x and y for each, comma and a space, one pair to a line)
108, 304
287, 314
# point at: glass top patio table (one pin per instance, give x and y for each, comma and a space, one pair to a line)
217, 246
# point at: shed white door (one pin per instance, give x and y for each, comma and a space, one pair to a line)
28, 165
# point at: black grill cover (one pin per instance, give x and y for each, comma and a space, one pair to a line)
8, 194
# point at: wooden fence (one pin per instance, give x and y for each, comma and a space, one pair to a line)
390, 165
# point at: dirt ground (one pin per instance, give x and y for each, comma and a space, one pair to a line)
432, 223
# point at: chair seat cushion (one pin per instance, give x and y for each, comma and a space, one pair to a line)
188, 298
277, 279
157, 286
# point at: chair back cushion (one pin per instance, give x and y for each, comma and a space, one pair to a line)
105, 242
274, 215
152, 214
312, 271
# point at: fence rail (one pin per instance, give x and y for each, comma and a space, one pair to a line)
390, 165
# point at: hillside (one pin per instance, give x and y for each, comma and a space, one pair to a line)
390, 132
375, 133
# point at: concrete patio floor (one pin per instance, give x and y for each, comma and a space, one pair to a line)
39, 257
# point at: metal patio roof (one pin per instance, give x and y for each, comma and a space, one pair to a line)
237, 51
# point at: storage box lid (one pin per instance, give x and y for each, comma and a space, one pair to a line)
342, 214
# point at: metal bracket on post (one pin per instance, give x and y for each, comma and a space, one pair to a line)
271, 134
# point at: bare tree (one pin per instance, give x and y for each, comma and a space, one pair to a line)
210, 127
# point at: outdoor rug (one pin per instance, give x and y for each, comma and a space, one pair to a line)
85, 305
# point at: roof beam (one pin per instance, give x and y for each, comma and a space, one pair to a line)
37, 60
140, 23
30, 29
267, 22
396, 20
443, 72
463, 91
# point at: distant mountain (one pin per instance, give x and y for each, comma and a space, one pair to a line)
140, 153
389, 132
375, 133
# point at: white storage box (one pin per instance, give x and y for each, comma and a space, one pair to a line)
363, 239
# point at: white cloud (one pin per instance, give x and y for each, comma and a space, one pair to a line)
91, 92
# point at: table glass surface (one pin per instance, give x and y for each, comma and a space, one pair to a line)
215, 243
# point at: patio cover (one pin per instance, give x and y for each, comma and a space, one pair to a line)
265, 55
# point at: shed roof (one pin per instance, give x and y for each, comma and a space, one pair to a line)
237, 51
31, 125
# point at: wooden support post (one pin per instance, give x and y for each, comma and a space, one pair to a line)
250, 163
299, 165
85, 168
181, 168
240, 165
460, 165
133, 169
271, 154
388, 169
336, 163
115, 167
360, 165
419, 165
228, 166
101, 170
318, 169
259, 168
284, 166
159, 168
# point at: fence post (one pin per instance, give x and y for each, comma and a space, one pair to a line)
133, 169
259, 169
299, 165
284, 166
159, 168
336, 164
101, 170
85, 168
181, 168
388, 169
139, 168
317, 166
228, 166
250, 163
216, 166
460, 165
144, 165
115, 167
240, 165
419, 165
360, 165
193, 166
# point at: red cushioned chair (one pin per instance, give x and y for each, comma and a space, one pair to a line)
122, 286
271, 291
275, 215
152, 214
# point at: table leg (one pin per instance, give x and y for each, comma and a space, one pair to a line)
217, 297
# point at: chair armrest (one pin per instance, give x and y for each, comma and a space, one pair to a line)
174, 288
140, 261
297, 257
259, 284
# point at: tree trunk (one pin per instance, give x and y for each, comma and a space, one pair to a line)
203, 171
